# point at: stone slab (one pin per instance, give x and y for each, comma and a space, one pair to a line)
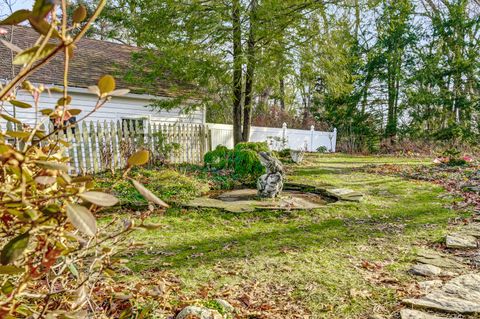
415, 314
345, 194
244, 200
430, 285
195, 312
472, 229
461, 241
432, 257
425, 270
459, 295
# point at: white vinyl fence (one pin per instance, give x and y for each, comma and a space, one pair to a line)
277, 138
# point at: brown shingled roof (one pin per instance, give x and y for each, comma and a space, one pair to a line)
92, 59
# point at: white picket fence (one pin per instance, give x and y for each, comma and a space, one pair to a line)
277, 138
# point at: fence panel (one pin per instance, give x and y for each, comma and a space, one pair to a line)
277, 138
96, 147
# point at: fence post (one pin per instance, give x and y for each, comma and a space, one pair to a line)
312, 133
284, 136
334, 143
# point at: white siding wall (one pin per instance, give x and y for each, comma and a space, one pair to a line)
128, 106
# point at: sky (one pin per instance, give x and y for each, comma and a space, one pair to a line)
17, 4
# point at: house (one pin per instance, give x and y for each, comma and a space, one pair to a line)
93, 59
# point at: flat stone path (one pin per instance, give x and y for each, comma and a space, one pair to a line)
451, 285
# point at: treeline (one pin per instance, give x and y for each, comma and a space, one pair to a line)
381, 71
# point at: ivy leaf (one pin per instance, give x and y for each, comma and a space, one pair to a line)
139, 158
10, 270
82, 219
20, 104
28, 54
47, 111
106, 84
79, 14
148, 195
11, 46
14, 248
52, 165
43, 27
94, 89
16, 17
10, 118
120, 92
42, 7
17, 134
99, 198
74, 111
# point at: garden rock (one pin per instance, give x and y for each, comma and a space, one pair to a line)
270, 185
425, 270
429, 285
434, 258
195, 312
415, 314
461, 241
297, 156
226, 306
472, 229
459, 295
345, 194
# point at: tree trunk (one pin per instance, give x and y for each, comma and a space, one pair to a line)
282, 93
237, 72
250, 73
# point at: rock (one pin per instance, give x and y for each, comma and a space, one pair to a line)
461, 241
425, 270
270, 185
345, 194
195, 312
429, 285
246, 200
415, 314
226, 306
296, 156
472, 229
434, 258
459, 295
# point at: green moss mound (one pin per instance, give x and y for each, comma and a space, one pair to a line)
168, 184
220, 158
253, 146
243, 160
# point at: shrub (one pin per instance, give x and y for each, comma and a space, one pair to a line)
243, 160
322, 149
285, 153
55, 261
247, 165
220, 158
253, 146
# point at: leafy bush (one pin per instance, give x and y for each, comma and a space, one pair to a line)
285, 153
247, 165
322, 149
253, 146
243, 160
220, 158
55, 261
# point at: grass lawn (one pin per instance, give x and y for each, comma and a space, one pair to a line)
347, 260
